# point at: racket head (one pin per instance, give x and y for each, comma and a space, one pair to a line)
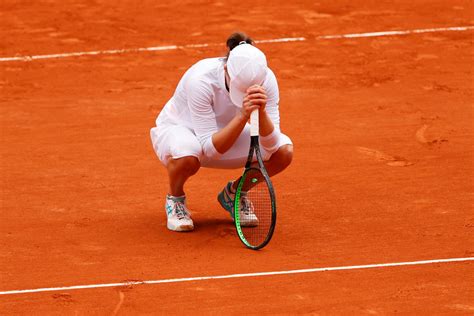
255, 193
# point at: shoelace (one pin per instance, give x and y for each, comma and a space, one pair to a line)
246, 209
180, 210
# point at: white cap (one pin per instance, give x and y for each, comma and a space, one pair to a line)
247, 66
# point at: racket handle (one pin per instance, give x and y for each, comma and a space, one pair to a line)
254, 123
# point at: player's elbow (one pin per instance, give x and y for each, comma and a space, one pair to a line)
210, 151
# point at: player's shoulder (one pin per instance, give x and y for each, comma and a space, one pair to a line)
202, 76
207, 65
270, 82
204, 71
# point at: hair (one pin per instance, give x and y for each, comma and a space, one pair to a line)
235, 39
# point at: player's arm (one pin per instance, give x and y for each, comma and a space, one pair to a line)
226, 137
214, 142
256, 99
270, 115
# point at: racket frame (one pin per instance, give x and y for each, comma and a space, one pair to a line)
254, 148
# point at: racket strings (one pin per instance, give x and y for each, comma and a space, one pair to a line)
257, 201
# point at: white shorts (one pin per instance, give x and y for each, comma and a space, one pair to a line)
175, 141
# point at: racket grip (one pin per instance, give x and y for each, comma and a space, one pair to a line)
254, 123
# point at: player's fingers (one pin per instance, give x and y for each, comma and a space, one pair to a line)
259, 101
253, 108
255, 89
249, 106
257, 96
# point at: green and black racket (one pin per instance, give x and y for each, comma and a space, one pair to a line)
255, 204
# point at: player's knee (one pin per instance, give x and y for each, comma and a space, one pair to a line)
285, 155
188, 165
192, 165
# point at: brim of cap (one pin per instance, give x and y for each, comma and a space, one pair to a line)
236, 96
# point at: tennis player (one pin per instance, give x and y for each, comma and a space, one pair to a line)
205, 124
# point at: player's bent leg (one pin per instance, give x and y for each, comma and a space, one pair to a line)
179, 150
179, 171
277, 162
280, 160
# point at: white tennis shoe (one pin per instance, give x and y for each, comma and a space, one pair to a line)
179, 217
246, 210
247, 214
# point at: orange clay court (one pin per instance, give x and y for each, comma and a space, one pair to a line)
377, 204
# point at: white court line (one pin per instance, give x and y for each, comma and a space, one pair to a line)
134, 50
240, 275
277, 40
393, 33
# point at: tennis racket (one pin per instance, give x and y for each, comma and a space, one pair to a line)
255, 204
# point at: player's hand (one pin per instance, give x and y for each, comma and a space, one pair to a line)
256, 99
